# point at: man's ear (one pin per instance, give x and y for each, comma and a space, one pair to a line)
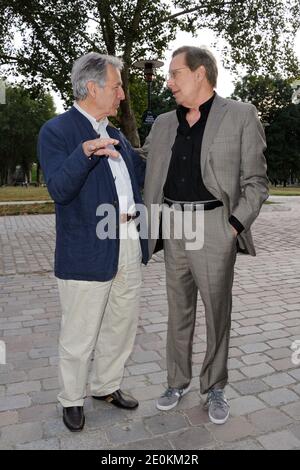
91, 86
201, 72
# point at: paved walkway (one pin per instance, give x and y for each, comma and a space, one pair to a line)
264, 388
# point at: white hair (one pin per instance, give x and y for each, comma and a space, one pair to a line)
91, 67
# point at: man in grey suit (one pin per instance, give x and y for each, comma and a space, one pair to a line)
207, 158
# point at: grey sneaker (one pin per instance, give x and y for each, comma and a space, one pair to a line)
171, 397
217, 406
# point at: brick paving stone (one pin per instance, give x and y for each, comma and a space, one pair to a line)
157, 443
144, 368
279, 397
8, 417
296, 388
295, 430
235, 429
279, 380
257, 370
147, 393
21, 433
245, 405
23, 387
281, 440
255, 358
84, 441
269, 419
38, 413
164, 423
292, 410
279, 353
14, 402
193, 438
250, 387
245, 444
43, 444
196, 415
42, 373
254, 347
127, 433
145, 356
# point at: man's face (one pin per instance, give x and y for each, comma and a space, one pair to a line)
108, 99
184, 83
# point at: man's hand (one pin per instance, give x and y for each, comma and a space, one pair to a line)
234, 231
100, 147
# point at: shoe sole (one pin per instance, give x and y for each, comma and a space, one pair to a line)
169, 407
218, 421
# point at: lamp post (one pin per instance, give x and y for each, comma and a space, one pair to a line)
148, 66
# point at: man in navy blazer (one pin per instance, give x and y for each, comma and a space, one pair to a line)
91, 172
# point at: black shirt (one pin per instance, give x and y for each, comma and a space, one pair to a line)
184, 181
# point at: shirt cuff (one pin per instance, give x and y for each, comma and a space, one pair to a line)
236, 224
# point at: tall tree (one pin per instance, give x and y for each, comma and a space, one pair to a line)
41, 38
283, 151
270, 95
20, 120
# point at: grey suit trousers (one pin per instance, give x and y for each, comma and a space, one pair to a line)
209, 270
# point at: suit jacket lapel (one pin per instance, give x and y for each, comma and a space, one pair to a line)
215, 117
172, 131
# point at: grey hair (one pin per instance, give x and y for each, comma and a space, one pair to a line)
91, 67
196, 56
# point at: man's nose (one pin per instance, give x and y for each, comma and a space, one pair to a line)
121, 94
170, 83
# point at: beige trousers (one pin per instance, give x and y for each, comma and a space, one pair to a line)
99, 316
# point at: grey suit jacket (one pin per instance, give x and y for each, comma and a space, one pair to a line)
232, 163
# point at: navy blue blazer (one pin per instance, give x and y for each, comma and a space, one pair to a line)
78, 186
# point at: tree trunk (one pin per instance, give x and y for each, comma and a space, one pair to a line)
38, 174
127, 120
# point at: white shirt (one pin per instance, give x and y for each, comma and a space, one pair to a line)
117, 166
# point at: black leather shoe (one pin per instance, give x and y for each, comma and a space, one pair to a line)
73, 417
120, 399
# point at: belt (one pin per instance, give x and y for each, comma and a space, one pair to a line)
207, 206
127, 218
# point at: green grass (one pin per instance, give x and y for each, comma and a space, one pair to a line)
19, 193
281, 191
27, 209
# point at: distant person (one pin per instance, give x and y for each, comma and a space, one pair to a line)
99, 279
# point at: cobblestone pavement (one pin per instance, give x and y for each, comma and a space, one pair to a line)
264, 390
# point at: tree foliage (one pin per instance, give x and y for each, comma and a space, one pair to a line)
273, 100
269, 95
20, 121
283, 151
40, 39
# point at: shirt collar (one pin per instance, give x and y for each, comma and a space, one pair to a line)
204, 108
97, 125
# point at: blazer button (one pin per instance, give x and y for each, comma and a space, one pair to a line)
115, 203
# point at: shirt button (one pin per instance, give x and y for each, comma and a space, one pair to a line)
184, 158
188, 137
182, 180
